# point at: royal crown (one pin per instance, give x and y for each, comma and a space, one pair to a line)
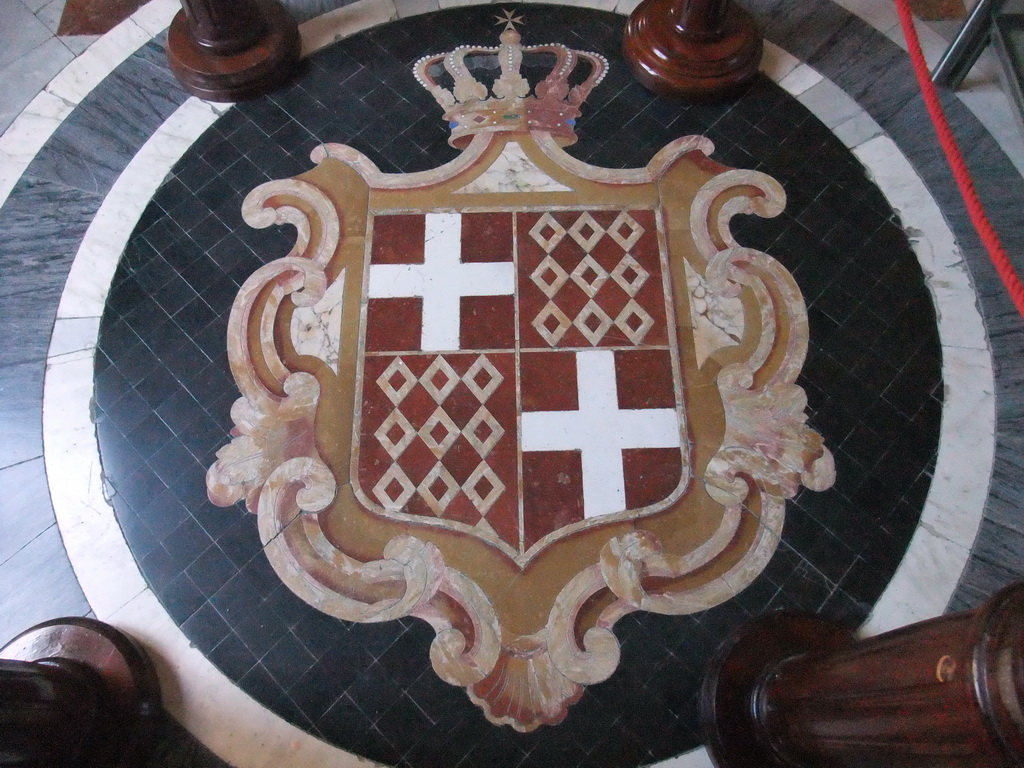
471, 108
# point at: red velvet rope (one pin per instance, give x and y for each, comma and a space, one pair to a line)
956, 162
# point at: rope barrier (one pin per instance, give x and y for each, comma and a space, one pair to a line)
956, 161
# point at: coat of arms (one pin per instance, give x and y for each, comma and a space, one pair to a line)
518, 396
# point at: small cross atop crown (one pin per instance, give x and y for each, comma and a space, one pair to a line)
511, 103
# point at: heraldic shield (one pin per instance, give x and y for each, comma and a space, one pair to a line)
518, 396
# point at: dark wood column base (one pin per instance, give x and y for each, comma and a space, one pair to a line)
238, 76
732, 687
671, 62
130, 707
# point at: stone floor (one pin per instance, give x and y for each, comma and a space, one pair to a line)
134, 192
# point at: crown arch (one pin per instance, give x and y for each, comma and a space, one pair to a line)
472, 108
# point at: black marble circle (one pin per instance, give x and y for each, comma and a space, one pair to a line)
163, 394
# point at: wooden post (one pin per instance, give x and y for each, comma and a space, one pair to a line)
797, 690
76, 692
232, 50
48, 711
700, 49
224, 30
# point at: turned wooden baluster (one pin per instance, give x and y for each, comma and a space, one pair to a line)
76, 693
797, 690
231, 50
701, 49
224, 28
48, 711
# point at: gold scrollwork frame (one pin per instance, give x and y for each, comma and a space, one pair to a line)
291, 470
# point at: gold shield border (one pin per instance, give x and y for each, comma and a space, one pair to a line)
523, 641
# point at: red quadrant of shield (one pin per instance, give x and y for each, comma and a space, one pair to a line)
590, 278
438, 439
553, 480
395, 323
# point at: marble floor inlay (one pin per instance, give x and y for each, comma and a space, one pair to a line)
466, 527
557, 395
127, 238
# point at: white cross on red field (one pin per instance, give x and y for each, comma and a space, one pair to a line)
441, 281
600, 431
